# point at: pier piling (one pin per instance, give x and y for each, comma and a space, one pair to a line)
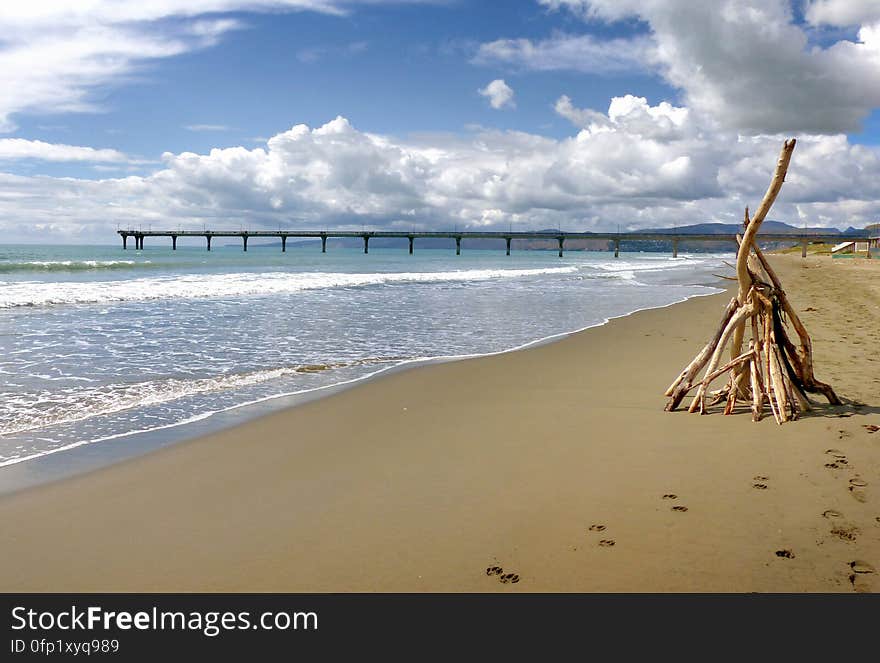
508, 237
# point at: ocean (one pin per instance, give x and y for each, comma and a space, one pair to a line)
100, 346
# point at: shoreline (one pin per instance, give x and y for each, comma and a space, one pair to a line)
149, 440
422, 480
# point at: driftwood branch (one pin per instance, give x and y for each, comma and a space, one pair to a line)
773, 370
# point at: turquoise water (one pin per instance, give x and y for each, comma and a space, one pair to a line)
97, 343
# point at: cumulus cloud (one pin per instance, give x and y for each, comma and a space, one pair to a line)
749, 65
842, 13
583, 53
745, 67
20, 148
637, 165
579, 117
629, 114
499, 94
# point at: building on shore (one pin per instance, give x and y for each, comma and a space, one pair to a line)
855, 249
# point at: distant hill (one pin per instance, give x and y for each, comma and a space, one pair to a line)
768, 226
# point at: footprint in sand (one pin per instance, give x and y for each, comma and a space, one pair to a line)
670, 496
860, 583
839, 459
842, 434
785, 554
845, 533
861, 566
855, 489
679, 508
831, 513
502, 577
597, 528
606, 543
861, 571
871, 427
759, 485
858, 494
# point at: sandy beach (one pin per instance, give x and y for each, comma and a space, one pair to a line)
556, 463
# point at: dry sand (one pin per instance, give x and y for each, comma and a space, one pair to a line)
422, 480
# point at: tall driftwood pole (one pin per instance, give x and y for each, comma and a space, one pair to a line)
773, 370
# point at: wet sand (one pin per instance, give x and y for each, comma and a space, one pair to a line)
556, 465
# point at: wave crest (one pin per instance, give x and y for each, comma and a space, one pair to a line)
232, 285
69, 265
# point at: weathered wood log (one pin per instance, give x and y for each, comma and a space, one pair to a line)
757, 385
718, 372
691, 370
811, 384
741, 314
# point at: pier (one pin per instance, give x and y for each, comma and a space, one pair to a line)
507, 237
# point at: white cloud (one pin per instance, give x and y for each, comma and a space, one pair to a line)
842, 12
746, 70
636, 165
54, 70
583, 53
748, 65
630, 114
579, 117
19, 148
54, 54
499, 94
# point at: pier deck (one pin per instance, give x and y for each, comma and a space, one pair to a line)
507, 237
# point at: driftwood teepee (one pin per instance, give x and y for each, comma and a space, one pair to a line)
772, 369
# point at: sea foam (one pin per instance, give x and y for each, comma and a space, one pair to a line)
194, 286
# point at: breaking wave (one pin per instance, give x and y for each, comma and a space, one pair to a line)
231, 285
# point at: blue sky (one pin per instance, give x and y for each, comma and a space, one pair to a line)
585, 113
394, 69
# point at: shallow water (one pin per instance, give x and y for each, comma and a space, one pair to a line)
97, 343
